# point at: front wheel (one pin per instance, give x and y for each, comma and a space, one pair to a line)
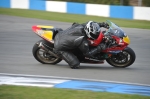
122, 59
42, 55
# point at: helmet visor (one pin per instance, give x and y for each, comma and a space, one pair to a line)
96, 31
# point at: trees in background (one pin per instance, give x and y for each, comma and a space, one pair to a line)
109, 2
146, 3
112, 2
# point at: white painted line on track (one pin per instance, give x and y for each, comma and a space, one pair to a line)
64, 79
73, 83
28, 81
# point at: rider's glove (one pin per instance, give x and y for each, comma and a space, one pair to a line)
107, 38
103, 24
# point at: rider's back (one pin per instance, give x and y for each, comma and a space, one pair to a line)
66, 40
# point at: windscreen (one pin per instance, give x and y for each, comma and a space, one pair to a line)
115, 30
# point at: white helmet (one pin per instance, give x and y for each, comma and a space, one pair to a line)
92, 30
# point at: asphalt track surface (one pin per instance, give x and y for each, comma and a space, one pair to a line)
17, 40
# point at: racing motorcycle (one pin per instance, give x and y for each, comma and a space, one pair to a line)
117, 53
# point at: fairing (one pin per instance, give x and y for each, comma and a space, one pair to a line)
45, 32
115, 30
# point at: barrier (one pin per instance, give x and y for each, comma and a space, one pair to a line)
125, 12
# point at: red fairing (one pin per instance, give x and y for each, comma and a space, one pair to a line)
98, 40
121, 45
35, 28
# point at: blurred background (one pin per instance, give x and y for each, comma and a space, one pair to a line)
113, 2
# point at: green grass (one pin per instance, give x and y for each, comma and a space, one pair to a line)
73, 17
20, 92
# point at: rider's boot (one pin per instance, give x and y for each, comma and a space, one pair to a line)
71, 59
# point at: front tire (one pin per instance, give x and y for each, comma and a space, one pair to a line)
122, 59
42, 55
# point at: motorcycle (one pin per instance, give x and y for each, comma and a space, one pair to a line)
117, 53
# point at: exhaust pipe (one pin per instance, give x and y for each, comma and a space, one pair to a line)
50, 52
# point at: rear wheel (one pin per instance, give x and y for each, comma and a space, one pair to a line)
122, 59
42, 55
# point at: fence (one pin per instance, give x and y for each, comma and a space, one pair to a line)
125, 12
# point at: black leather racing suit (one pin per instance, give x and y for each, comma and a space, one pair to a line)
72, 38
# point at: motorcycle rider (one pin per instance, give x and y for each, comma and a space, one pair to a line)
77, 36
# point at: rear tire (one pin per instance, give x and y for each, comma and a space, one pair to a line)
123, 59
42, 55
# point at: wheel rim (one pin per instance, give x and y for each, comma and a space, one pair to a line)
45, 57
121, 59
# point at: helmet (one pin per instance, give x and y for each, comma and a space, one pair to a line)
92, 30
